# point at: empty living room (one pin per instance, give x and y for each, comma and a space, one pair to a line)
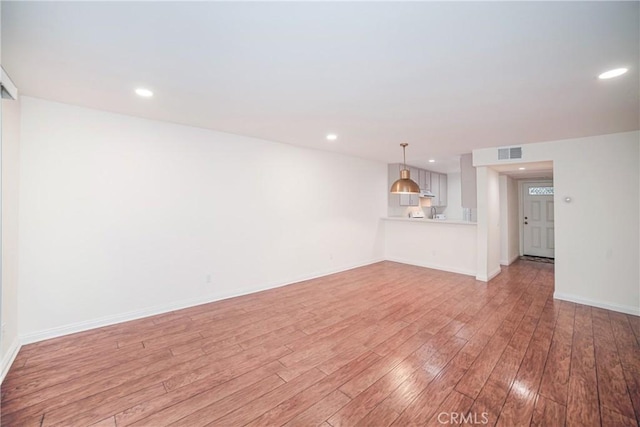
234, 213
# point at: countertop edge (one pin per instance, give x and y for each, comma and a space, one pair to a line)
428, 221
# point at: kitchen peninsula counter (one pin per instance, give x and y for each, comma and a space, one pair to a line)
429, 220
449, 245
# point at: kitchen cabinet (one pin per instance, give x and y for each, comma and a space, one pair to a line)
439, 189
443, 190
396, 200
410, 199
435, 188
424, 179
427, 180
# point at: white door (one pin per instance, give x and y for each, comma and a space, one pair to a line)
537, 228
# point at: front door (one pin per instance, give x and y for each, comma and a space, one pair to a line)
537, 228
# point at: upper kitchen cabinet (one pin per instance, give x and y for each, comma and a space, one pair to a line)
424, 180
434, 182
410, 199
435, 188
443, 190
402, 199
439, 189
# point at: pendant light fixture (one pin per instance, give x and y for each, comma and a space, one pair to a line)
405, 185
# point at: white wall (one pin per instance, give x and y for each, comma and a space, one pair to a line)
122, 217
509, 220
513, 197
488, 240
468, 184
10, 196
596, 252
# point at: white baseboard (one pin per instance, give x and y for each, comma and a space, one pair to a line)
490, 276
434, 266
627, 309
509, 261
8, 358
165, 308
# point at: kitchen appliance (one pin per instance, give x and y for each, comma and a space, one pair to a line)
416, 214
427, 193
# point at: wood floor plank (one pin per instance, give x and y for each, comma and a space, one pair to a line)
95, 408
612, 387
220, 408
384, 365
107, 422
424, 407
555, 380
212, 364
45, 378
628, 351
547, 413
66, 392
382, 415
454, 410
321, 411
478, 373
256, 407
520, 402
386, 344
293, 406
181, 402
634, 322
494, 393
142, 377
611, 418
583, 408
431, 359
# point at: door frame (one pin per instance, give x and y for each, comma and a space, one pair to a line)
521, 184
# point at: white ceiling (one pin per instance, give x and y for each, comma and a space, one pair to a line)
444, 77
538, 170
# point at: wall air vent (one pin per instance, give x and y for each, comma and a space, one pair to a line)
509, 153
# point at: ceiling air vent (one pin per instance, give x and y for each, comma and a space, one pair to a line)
509, 153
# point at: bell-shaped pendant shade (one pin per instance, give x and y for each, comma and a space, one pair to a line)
405, 185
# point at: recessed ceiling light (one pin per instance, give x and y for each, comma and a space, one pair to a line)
613, 73
432, 161
332, 137
521, 169
145, 93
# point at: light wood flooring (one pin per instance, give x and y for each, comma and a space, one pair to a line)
386, 344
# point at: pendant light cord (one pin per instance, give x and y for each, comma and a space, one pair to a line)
404, 155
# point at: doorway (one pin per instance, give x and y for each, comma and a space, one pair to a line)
538, 233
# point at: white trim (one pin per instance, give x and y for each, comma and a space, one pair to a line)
165, 308
8, 358
433, 266
510, 261
627, 309
491, 275
7, 88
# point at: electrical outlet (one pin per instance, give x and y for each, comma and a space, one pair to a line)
208, 278
4, 328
